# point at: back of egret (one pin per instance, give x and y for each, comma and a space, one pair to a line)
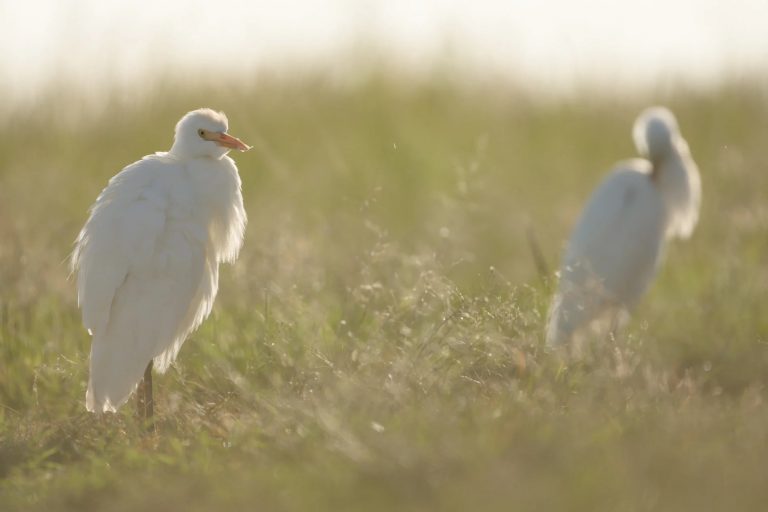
617, 244
147, 259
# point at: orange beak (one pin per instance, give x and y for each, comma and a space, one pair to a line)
228, 141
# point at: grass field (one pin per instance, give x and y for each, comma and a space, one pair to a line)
378, 346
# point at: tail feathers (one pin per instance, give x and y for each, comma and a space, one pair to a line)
98, 402
568, 314
559, 325
114, 375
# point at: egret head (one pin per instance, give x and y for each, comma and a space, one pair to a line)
203, 133
656, 133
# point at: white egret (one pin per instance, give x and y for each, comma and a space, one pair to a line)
147, 259
616, 246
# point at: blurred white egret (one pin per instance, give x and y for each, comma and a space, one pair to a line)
616, 246
147, 259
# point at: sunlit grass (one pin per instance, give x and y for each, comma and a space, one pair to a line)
378, 344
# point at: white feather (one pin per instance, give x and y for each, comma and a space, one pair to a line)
617, 244
147, 261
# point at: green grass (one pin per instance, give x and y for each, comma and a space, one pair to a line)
378, 346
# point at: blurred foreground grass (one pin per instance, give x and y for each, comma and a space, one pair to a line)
378, 344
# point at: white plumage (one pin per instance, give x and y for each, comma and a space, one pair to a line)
616, 246
147, 258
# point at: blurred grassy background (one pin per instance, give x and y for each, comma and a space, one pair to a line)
378, 344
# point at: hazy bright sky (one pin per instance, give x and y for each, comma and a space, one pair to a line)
540, 43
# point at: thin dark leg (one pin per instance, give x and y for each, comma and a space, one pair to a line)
140, 407
149, 402
145, 404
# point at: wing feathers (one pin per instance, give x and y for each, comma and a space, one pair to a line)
147, 266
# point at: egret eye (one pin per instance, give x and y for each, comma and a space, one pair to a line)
201, 132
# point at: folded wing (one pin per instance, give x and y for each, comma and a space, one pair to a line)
146, 277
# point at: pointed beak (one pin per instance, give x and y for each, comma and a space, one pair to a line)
228, 141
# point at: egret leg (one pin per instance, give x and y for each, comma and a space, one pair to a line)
149, 402
145, 404
140, 400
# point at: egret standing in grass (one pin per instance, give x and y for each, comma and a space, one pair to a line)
147, 260
616, 246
